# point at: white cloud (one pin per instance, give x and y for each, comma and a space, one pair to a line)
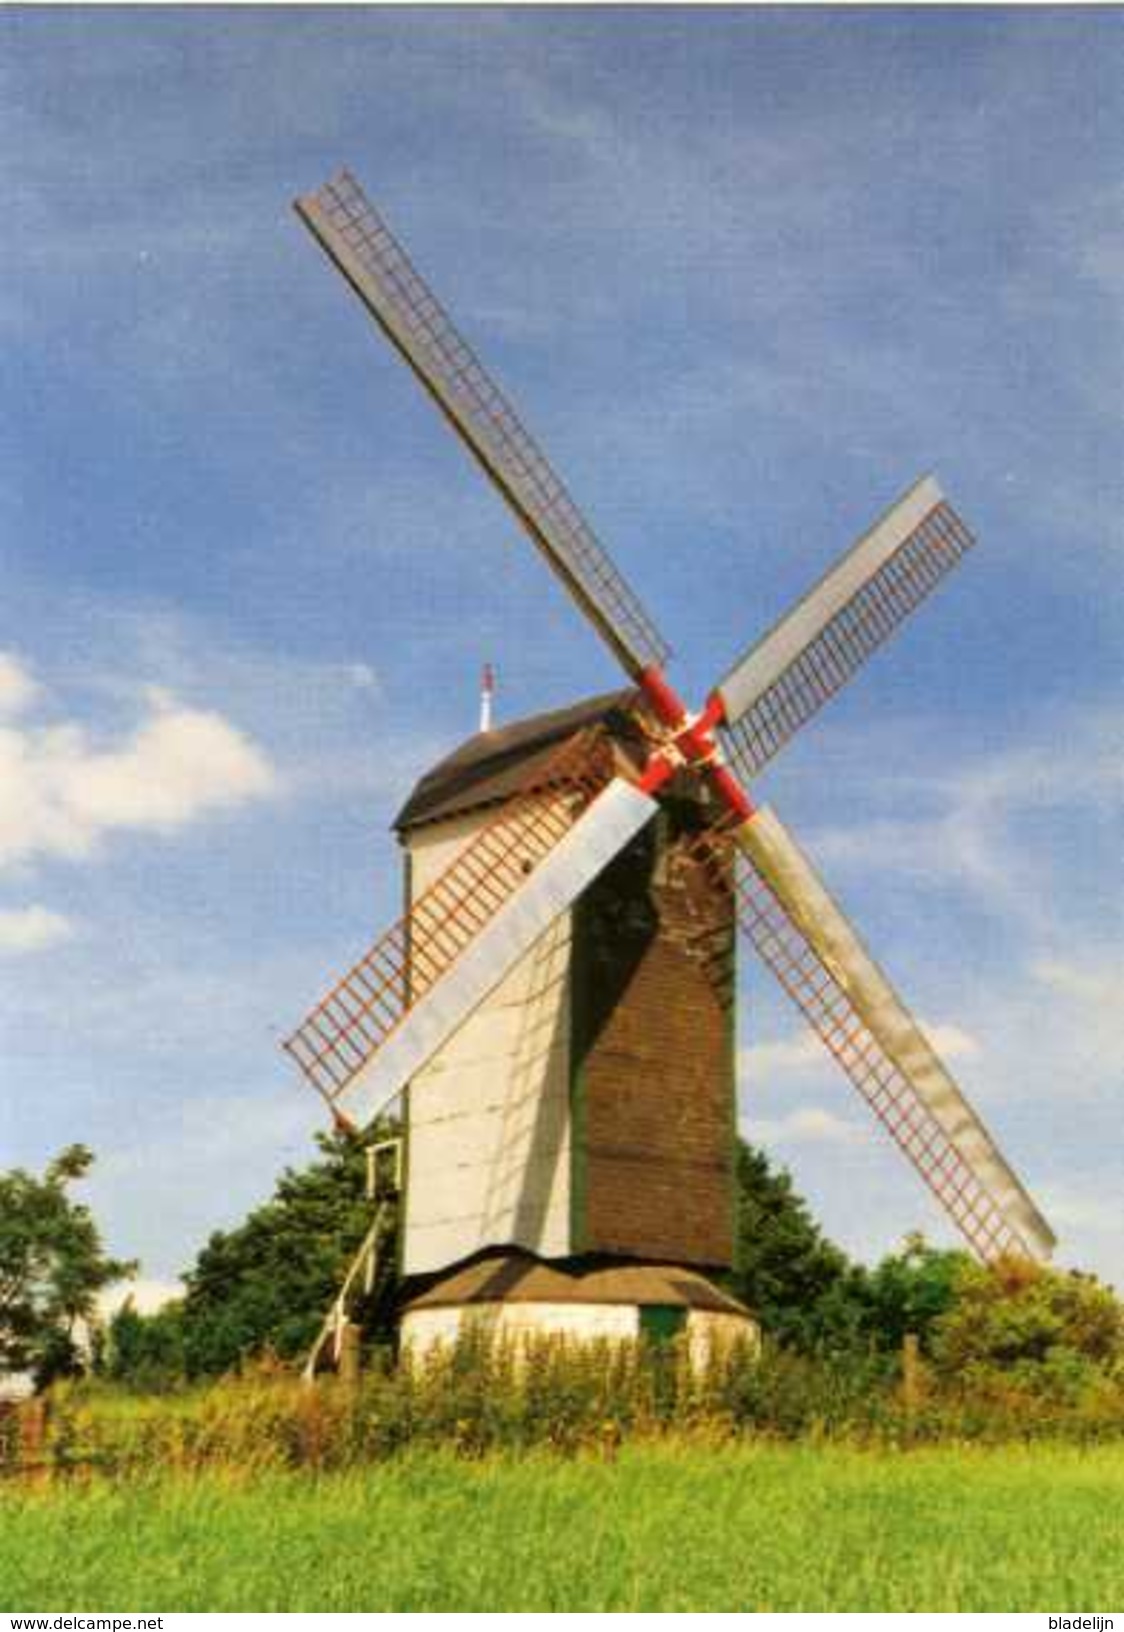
17, 686
1100, 987
32, 929
362, 677
1085, 1003
60, 793
146, 1296
180, 763
1068, 1211
199, 1166
951, 1042
989, 825
803, 1052
808, 1125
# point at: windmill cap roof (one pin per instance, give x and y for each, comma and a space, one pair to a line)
492, 765
516, 1277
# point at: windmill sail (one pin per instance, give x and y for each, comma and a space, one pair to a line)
814, 650
801, 933
347, 1028
358, 241
417, 986
521, 896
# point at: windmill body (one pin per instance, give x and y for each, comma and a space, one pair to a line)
556, 997
584, 1113
587, 1105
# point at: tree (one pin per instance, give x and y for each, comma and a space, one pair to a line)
800, 1286
146, 1351
52, 1267
910, 1291
1040, 1327
269, 1283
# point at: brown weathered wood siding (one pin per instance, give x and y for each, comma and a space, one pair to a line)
653, 1060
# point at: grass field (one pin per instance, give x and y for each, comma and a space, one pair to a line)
663, 1527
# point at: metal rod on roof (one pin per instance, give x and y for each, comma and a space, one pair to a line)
487, 692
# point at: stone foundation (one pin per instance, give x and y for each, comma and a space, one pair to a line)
517, 1299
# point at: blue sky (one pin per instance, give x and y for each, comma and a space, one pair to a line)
747, 273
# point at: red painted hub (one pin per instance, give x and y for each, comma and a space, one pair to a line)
692, 742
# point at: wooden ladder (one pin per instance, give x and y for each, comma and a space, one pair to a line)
359, 1280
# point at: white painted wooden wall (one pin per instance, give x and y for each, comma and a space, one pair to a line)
489, 1116
708, 1331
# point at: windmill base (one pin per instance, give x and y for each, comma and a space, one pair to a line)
515, 1298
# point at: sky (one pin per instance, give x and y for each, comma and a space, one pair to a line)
747, 274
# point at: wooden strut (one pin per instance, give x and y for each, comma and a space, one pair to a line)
361, 1273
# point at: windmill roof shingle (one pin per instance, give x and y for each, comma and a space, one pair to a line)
492, 765
516, 1277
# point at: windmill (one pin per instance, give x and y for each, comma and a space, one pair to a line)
600, 809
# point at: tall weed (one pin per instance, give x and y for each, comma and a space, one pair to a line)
482, 1396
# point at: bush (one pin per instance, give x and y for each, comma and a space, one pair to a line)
476, 1397
146, 1352
994, 1377
1022, 1319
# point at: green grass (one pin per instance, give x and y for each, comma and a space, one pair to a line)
663, 1527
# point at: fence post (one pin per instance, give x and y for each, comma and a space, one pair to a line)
32, 1431
349, 1355
911, 1375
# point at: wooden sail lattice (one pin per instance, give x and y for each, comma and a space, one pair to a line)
376, 265
346, 1029
847, 639
882, 1083
459, 926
